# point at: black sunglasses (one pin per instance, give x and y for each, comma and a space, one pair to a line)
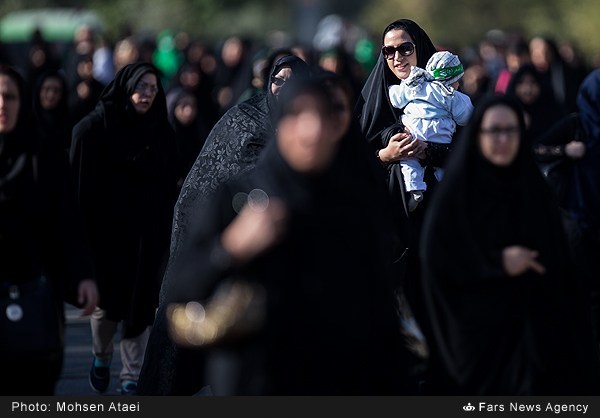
405, 49
277, 81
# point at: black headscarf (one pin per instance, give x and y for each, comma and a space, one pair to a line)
299, 69
491, 334
116, 104
270, 61
373, 109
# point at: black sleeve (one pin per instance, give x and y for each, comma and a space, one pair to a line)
550, 146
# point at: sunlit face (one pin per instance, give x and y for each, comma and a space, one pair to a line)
279, 79
232, 51
186, 110
51, 93
499, 135
527, 89
540, 54
144, 93
306, 136
10, 102
399, 65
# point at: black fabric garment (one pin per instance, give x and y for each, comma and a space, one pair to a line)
37, 238
20, 239
549, 154
492, 334
232, 147
379, 121
583, 197
125, 169
331, 326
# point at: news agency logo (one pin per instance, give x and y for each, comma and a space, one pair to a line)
469, 407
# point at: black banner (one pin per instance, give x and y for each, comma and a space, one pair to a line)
290, 407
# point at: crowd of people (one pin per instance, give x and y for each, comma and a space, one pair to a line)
252, 217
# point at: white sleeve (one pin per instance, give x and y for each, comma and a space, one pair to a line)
398, 96
461, 108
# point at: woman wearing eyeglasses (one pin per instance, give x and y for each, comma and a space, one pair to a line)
507, 311
124, 159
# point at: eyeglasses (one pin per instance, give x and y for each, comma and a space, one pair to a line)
278, 81
497, 131
405, 49
144, 87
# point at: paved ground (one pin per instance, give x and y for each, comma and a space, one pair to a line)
78, 359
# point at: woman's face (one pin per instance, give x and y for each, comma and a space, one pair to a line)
306, 135
541, 56
10, 102
279, 79
144, 93
186, 109
51, 93
527, 89
399, 64
499, 135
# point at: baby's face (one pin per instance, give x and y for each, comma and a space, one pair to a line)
455, 85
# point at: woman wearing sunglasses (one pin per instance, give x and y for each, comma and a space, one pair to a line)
404, 45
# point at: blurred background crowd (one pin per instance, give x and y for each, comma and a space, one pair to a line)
220, 53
